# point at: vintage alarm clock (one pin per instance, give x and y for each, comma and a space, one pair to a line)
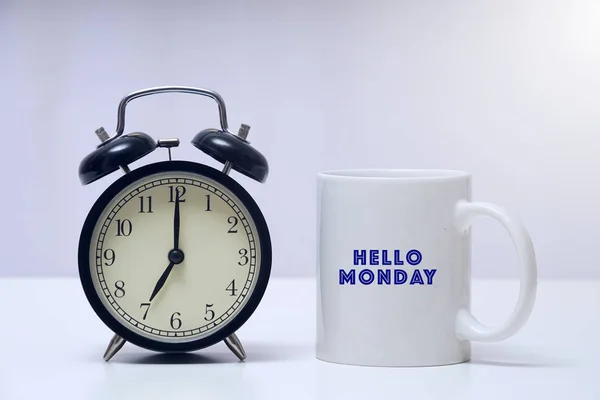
174, 256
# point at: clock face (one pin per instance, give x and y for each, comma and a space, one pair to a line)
175, 255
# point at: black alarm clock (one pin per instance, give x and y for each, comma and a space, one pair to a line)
174, 256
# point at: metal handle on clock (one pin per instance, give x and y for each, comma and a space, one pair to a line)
168, 89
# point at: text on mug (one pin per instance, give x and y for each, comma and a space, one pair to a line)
413, 257
386, 276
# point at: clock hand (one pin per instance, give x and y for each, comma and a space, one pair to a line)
161, 281
175, 256
176, 222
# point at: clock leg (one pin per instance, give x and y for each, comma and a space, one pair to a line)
235, 346
113, 347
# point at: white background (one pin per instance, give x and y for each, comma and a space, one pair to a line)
508, 90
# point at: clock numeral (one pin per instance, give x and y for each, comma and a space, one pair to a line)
178, 191
210, 312
233, 221
244, 257
109, 255
119, 289
143, 201
208, 202
175, 322
232, 288
147, 305
124, 227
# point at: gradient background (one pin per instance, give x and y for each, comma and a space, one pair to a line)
508, 90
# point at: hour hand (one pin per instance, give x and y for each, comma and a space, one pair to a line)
161, 281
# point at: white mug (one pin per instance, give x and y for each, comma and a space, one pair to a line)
394, 266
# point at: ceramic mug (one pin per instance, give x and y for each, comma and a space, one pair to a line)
394, 268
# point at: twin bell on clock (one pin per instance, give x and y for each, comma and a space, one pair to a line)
174, 256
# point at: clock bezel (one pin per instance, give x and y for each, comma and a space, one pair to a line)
93, 218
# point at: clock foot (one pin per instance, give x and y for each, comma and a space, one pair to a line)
235, 346
113, 347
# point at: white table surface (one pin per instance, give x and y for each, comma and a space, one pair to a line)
52, 345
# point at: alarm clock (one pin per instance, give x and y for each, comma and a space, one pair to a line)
174, 256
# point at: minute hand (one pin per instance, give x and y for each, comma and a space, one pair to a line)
176, 223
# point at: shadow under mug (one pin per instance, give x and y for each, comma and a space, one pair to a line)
394, 268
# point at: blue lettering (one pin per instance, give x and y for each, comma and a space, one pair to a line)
430, 273
384, 259
399, 276
360, 257
383, 275
369, 279
347, 277
397, 260
414, 257
416, 278
374, 257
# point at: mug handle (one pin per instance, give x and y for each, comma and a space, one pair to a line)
467, 326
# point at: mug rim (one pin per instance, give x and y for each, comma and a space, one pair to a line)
393, 174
